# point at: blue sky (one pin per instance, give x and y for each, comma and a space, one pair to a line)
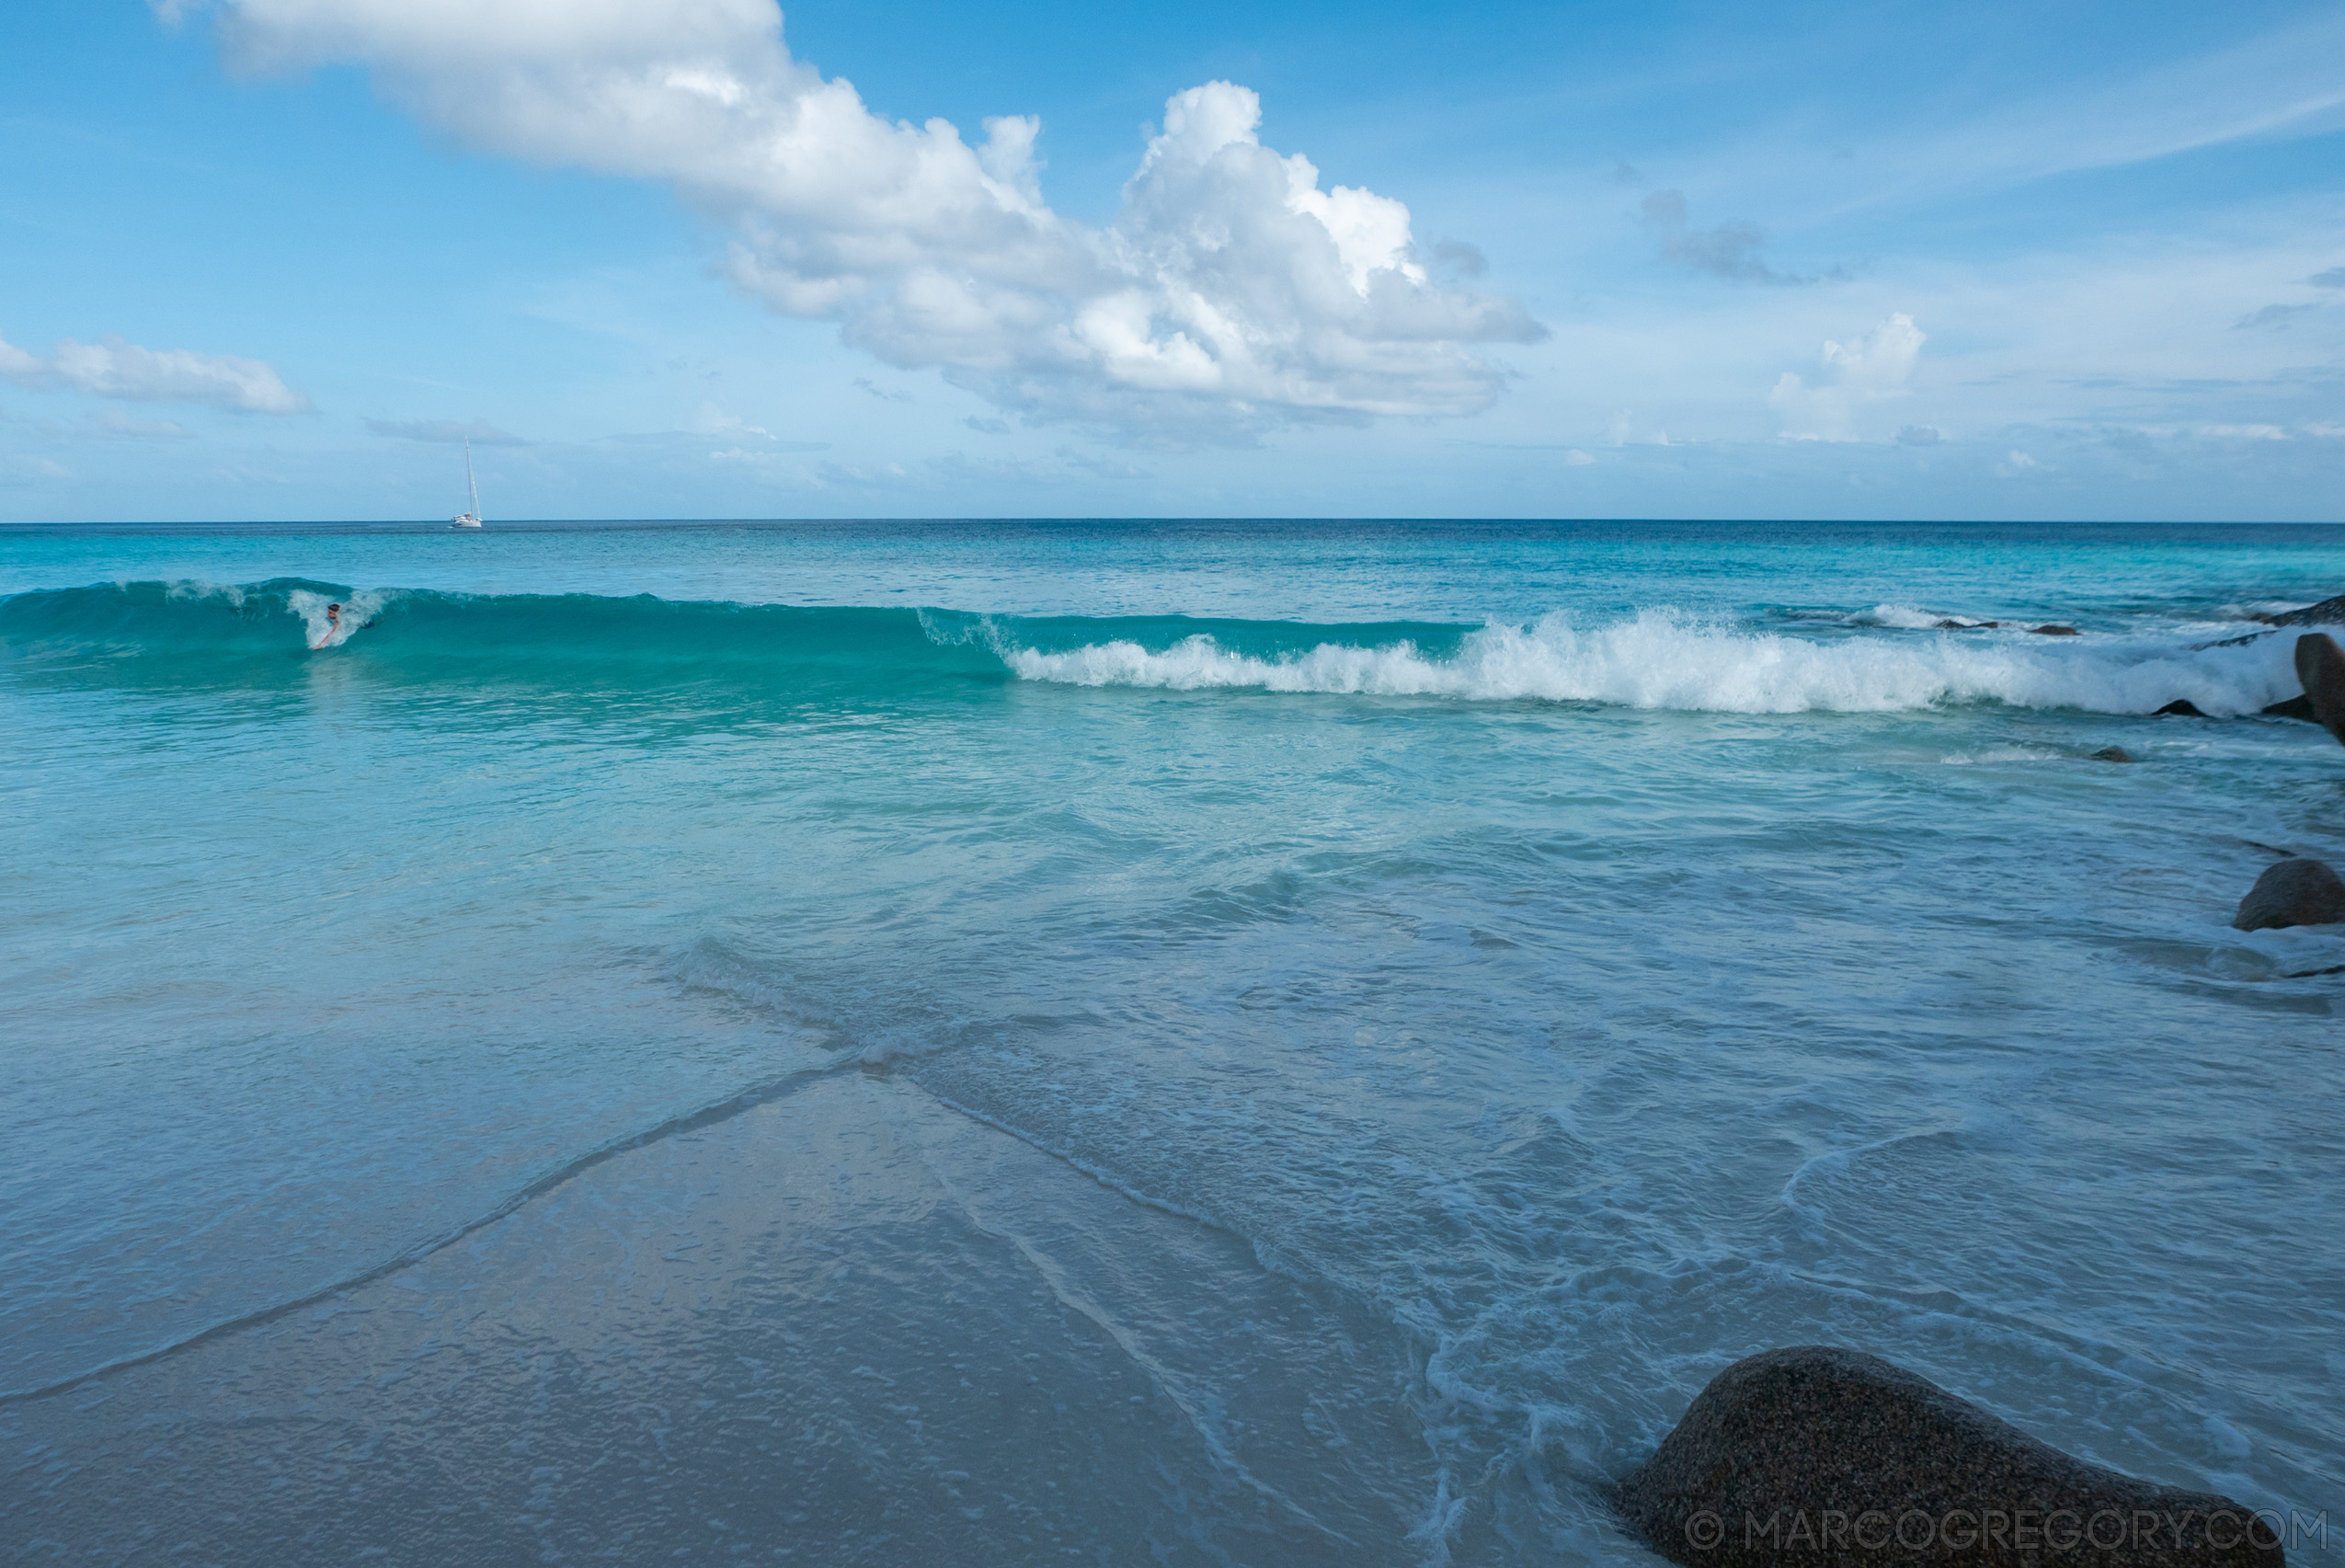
265, 259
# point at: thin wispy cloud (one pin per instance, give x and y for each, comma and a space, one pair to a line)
445, 432
116, 425
112, 368
2270, 316
1231, 292
2278, 84
1730, 250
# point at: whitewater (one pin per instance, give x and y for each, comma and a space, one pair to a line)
1210, 1042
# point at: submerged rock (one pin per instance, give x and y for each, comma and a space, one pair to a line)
2182, 708
2328, 611
1819, 1456
2294, 891
2054, 631
2112, 754
2320, 665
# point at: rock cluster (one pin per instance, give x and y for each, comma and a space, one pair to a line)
1818, 1456
2328, 611
1822, 1458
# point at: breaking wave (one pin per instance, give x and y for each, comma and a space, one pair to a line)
1662, 661
648, 650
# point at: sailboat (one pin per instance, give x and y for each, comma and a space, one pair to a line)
470, 519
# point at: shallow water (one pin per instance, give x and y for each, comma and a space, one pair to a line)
1271, 1043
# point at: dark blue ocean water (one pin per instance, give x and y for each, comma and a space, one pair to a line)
1247, 1042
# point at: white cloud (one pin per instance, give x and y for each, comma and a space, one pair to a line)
111, 368
1874, 368
714, 421
1620, 427
1575, 458
1231, 291
1621, 430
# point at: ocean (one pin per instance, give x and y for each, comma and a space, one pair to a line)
1226, 1042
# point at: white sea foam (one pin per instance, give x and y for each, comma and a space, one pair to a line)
1901, 616
358, 609
196, 587
1662, 660
1989, 755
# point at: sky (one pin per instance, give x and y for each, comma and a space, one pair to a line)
277, 260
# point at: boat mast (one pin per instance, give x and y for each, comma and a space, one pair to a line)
470, 487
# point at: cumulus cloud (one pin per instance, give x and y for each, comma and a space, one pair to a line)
1919, 435
445, 432
1231, 292
1872, 369
111, 368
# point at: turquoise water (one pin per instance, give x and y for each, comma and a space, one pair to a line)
1219, 1042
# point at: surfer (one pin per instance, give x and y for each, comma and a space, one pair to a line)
333, 624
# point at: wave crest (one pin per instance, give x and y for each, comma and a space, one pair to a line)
1662, 660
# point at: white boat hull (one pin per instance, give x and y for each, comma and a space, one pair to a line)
470, 516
